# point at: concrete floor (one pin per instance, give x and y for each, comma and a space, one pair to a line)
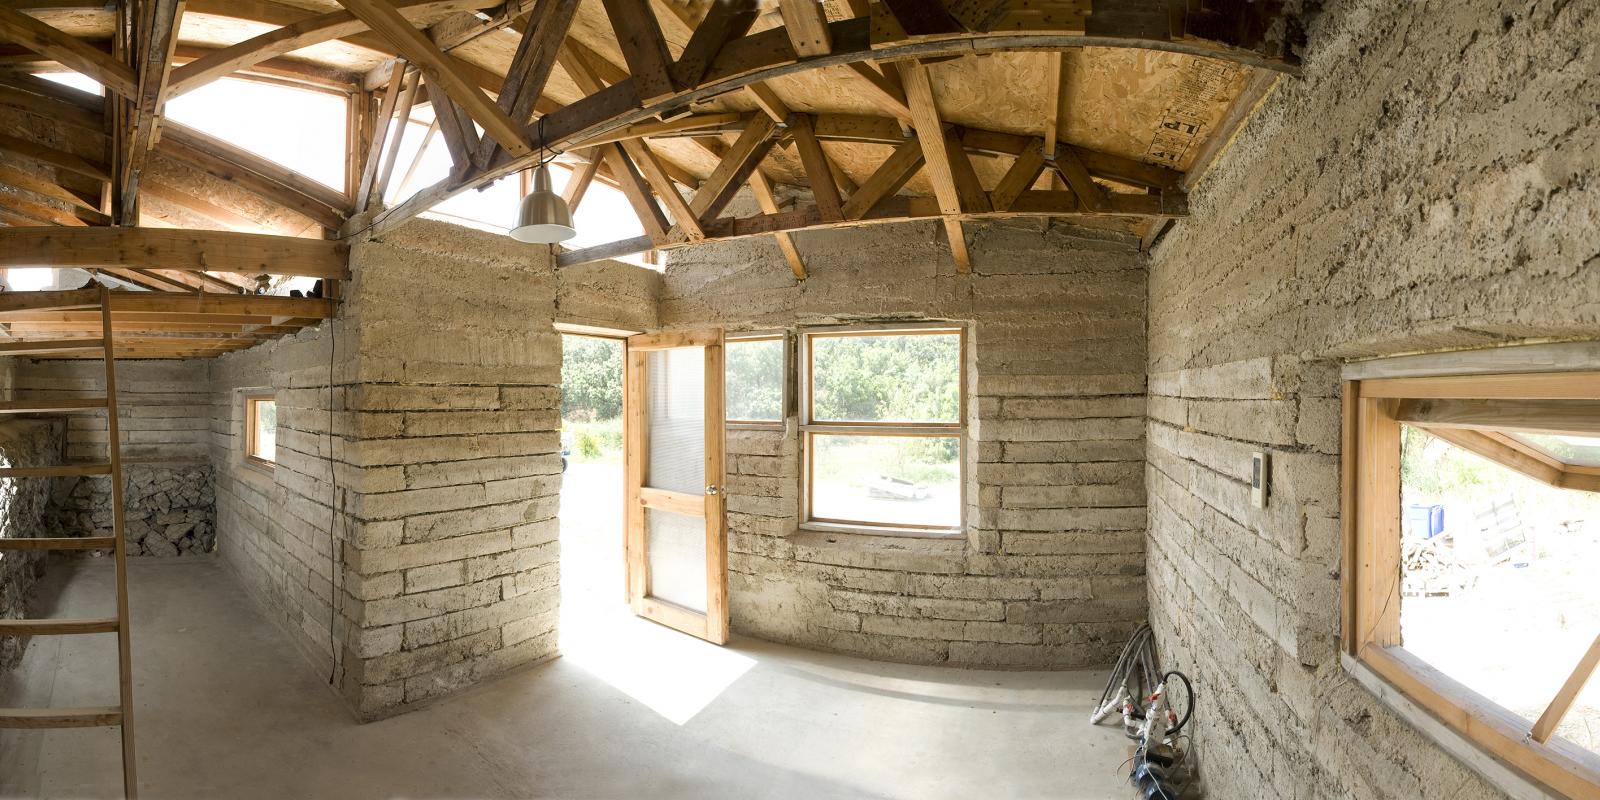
226, 707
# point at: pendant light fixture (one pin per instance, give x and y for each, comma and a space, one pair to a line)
543, 217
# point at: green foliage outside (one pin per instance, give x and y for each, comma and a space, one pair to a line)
1433, 468
595, 441
591, 378
887, 378
267, 414
893, 379
754, 384
591, 398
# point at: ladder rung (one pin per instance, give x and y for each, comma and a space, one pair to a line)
93, 717
56, 471
70, 543
56, 627
34, 406
50, 346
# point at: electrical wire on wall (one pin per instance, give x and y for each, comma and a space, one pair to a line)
335, 557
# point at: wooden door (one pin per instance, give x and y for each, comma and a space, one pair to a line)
677, 542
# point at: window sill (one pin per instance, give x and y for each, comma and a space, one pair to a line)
942, 555
1463, 749
876, 531
754, 426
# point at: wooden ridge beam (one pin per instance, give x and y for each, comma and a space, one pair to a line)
173, 249
74, 53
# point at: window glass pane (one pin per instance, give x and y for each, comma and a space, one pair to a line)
299, 128
676, 550
886, 480
265, 414
675, 419
754, 386
886, 378
1497, 584
1580, 450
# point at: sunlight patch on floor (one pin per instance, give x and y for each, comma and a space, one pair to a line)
671, 673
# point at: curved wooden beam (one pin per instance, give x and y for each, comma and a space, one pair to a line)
889, 210
769, 54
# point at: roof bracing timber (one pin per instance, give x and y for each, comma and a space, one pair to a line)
639, 94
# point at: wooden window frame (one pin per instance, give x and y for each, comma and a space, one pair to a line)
251, 400
1464, 410
783, 377
810, 427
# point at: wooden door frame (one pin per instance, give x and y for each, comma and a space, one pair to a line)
713, 624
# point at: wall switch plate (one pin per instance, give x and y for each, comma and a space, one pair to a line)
1259, 466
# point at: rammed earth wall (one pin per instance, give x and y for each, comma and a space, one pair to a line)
1430, 183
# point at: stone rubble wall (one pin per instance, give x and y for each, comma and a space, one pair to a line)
168, 510
1050, 573
23, 503
1429, 183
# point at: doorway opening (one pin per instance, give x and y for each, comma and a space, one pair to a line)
593, 583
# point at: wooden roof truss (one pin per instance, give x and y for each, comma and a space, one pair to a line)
616, 131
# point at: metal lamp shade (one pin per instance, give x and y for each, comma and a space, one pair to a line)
543, 218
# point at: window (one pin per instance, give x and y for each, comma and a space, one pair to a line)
261, 429
1470, 559
302, 129
883, 427
754, 386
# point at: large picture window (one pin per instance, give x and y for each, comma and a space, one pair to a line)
884, 427
1470, 559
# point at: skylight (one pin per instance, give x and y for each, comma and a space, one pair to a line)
302, 129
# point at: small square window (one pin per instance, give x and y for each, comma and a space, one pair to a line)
755, 380
261, 429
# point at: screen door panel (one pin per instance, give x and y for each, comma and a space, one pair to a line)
677, 542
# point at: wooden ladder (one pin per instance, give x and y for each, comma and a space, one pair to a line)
99, 716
